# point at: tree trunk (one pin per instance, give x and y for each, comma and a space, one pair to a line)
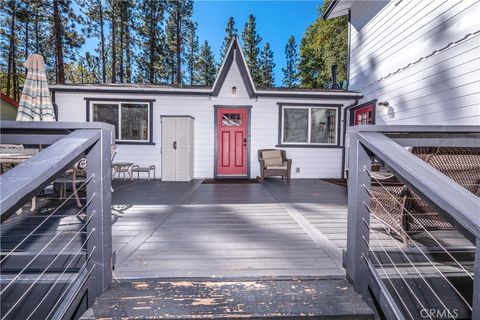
114, 49
102, 42
179, 44
153, 40
58, 43
128, 55
122, 26
11, 48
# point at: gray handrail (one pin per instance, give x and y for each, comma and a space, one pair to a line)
439, 190
28, 178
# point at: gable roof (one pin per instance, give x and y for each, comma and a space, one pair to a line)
337, 8
234, 54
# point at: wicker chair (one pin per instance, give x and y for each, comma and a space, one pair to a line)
274, 162
408, 212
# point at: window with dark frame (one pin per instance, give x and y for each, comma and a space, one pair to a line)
309, 125
131, 120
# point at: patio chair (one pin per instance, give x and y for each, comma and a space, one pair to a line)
274, 162
10, 149
77, 174
408, 212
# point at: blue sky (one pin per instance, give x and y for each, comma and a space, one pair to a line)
276, 21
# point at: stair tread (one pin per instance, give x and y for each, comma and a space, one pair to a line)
230, 298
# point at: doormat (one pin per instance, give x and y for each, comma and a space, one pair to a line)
338, 182
229, 181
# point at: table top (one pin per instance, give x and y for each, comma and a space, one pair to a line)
13, 157
122, 163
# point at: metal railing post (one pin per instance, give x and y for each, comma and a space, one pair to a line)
476, 283
99, 245
358, 215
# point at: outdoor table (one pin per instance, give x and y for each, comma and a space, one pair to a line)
17, 158
122, 167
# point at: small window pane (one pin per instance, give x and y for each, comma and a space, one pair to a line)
295, 125
231, 120
323, 126
134, 121
107, 113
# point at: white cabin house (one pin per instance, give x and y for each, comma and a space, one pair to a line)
215, 132
415, 62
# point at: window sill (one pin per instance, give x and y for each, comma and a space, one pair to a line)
308, 146
143, 143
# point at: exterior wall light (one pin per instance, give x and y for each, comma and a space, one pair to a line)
234, 91
383, 106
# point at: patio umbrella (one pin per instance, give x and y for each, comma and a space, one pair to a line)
35, 103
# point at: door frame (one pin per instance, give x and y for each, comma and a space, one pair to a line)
248, 109
363, 105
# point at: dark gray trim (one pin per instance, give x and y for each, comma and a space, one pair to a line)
309, 104
349, 46
351, 118
302, 146
176, 116
226, 67
215, 135
308, 145
119, 99
130, 91
150, 107
344, 131
329, 10
302, 94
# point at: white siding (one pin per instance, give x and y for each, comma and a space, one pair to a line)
423, 57
313, 162
233, 79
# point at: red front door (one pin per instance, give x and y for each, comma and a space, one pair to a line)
232, 142
364, 115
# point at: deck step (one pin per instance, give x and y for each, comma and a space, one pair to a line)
230, 298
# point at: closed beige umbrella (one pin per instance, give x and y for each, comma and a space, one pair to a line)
35, 102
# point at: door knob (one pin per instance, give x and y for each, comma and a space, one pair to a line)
244, 142
174, 145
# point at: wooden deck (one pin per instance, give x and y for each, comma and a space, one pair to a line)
224, 230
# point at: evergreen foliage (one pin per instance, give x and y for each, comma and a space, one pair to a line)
324, 44
290, 72
230, 33
207, 67
251, 41
266, 66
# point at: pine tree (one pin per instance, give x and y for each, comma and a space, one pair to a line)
251, 40
230, 33
207, 67
191, 56
180, 15
151, 43
94, 26
266, 66
290, 72
324, 44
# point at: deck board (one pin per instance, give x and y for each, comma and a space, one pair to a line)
232, 298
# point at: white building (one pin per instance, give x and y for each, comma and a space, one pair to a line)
231, 121
415, 62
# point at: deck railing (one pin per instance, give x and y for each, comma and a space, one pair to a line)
56, 259
405, 280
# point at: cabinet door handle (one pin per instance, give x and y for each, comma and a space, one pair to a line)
174, 145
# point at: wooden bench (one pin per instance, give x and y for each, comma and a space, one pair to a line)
136, 168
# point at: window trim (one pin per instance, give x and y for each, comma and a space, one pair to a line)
118, 101
309, 106
374, 112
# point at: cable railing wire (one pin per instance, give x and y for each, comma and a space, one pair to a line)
419, 249
40, 252
63, 272
49, 265
48, 217
398, 272
388, 278
419, 223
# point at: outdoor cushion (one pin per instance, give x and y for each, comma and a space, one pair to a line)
277, 167
272, 158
